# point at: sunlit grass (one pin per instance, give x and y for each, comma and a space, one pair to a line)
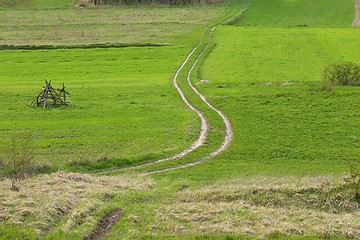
125, 107
324, 13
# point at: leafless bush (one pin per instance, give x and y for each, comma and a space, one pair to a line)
353, 180
18, 161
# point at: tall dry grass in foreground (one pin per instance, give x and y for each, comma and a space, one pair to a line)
69, 198
264, 206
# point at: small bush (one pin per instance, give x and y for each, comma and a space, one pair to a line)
353, 180
344, 73
18, 161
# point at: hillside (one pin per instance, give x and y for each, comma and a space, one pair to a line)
205, 121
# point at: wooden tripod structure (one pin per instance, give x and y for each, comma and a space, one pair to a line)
48, 95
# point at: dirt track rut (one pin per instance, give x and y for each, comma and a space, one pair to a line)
228, 129
356, 22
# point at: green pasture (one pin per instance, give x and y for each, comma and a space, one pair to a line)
268, 82
36, 4
282, 173
124, 104
127, 25
116, 92
287, 13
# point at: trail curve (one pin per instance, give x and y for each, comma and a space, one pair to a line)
204, 127
228, 129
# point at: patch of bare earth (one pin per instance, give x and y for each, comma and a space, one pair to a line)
261, 207
105, 224
356, 22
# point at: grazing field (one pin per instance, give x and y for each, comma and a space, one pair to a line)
124, 105
268, 81
320, 13
280, 178
126, 25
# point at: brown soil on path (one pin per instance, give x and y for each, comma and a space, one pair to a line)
356, 22
105, 224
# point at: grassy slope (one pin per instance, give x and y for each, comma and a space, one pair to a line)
124, 105
166, 211
123, 101
36, 4
127, 25
322, 13
281, 129
118, 91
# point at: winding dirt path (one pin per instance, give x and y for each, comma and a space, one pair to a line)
204, 128
356, 22
228, 129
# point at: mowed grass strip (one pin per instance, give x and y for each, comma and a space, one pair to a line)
125, 106
326, 13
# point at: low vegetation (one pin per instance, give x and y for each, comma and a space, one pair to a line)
284, 176
55, 26
63, 202
115, 94
299, 13
147, 2
261, 207
343, 74
17, 161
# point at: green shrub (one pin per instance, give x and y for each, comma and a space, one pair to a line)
344, 73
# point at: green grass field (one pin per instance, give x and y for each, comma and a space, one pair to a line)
266, 80
126, 25
289, 13
281, 177
115, 95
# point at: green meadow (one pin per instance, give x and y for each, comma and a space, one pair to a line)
47, 23
114, 92
281, 177
320, 13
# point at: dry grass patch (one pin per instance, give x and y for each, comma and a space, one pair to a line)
70, 198
127, 25
287, 205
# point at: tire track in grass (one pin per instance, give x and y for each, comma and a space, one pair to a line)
105, 224
204, 128
228, 129
356, 22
